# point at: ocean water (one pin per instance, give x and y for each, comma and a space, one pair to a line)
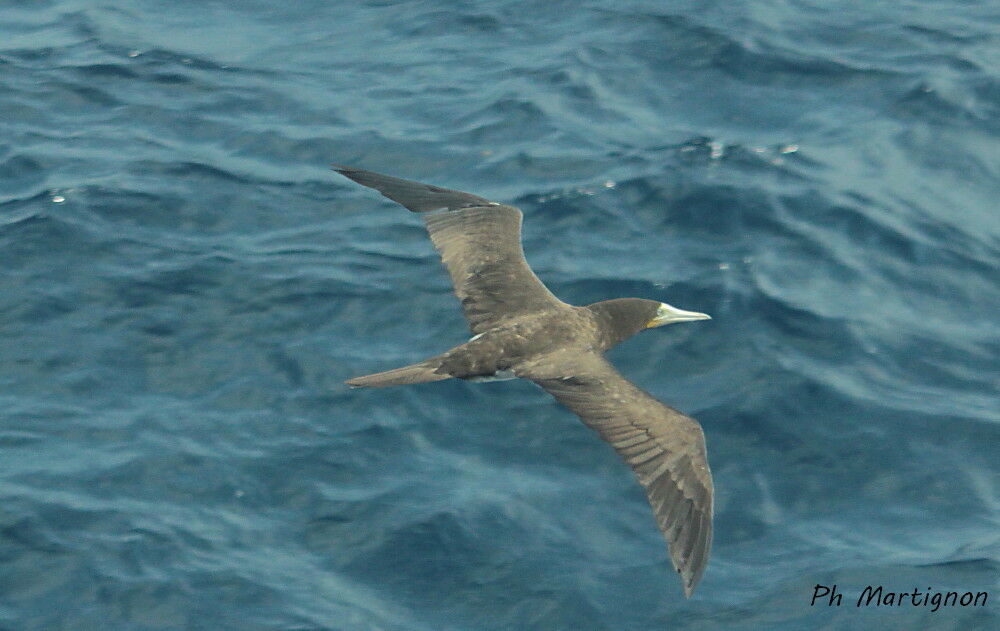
184, 286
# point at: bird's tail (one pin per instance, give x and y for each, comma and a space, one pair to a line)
421, 372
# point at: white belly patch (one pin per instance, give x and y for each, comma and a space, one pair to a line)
500, 375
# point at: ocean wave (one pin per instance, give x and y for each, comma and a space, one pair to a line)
186, 285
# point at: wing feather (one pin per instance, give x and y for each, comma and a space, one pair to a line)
664, 448
480, 245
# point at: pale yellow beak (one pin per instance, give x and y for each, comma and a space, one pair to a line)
667, 314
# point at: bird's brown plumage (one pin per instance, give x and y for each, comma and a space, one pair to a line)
665, 449
523, 329
480, 245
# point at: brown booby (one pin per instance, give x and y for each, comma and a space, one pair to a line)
520, 329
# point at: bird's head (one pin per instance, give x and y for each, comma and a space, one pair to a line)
624, 317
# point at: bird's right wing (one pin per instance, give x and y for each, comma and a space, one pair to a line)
665, 449
480, 245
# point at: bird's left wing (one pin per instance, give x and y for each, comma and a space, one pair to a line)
480, 245
664, 448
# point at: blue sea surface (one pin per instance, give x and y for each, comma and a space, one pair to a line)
185, 285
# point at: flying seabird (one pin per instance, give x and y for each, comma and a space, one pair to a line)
520, 329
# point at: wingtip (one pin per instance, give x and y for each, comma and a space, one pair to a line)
690, 576
689, 589
352, 173
688, 582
